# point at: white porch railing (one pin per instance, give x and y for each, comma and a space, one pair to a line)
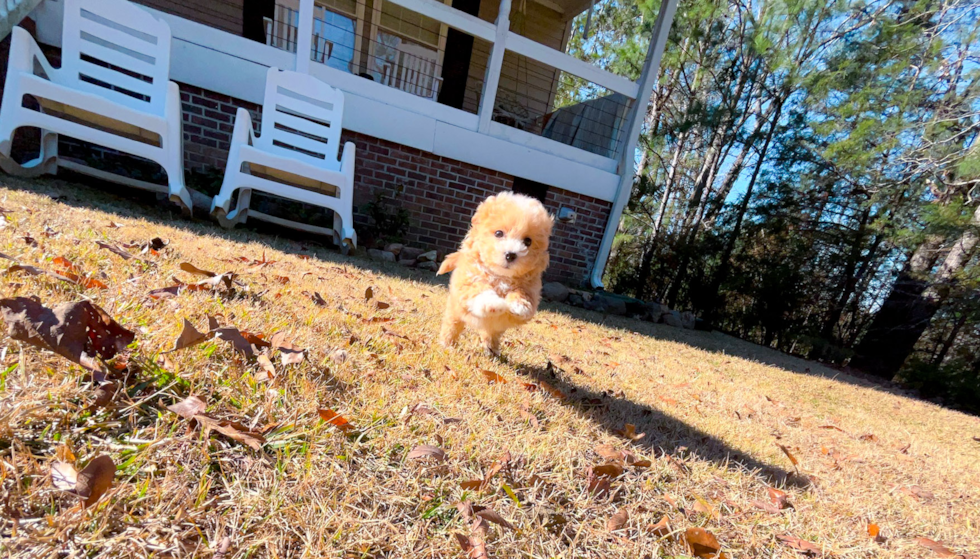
500, 37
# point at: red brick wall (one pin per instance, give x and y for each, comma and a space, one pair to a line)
441, 195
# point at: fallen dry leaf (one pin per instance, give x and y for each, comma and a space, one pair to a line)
934, 546
189, 336
90, 483
192, 269
661, 528
188, 407
234, 336
702, 543
335, 419
233, 430
800, 545
832, 427
629, 432
608, 470
768, 507
427, 451
317, 299
289, 354
117, 250
368, 293
74, 274
789, 455
779, 498
78, 331
609, 453
474, 547
493, 516
618, 521
268, 369
493, 377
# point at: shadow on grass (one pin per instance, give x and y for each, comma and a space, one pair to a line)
665, 435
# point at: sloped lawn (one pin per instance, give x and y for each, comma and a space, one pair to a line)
355, 435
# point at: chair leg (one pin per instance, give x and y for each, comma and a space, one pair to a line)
175, 183
222, 201
343, 232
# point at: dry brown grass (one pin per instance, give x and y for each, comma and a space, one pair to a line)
713, 410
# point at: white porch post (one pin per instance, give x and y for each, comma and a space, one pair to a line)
304, 36
648, 79
492, 78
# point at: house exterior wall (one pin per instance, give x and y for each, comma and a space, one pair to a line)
439, 193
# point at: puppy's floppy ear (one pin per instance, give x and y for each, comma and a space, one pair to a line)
482, 210
448, 263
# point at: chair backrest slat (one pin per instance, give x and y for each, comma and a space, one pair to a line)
117, 50
302, 118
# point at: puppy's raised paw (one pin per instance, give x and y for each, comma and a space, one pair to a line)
521, 308
486, 304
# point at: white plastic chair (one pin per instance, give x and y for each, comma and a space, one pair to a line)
414, 72
294, 157
112, 90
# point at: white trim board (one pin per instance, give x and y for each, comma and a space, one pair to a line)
487, 151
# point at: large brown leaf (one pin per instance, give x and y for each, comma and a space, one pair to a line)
90, 484
703, 543
189, 336
234, 336
79, 331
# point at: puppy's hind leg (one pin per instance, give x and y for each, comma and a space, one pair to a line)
452, 327
491, 342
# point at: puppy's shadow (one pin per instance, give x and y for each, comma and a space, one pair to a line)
665, 435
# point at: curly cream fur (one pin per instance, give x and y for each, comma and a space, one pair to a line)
488, 293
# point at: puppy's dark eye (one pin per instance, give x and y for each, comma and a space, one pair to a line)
527, 241
499, 234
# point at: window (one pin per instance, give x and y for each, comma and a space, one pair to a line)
404, 49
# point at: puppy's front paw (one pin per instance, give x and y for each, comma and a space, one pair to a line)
521, 308
486, 304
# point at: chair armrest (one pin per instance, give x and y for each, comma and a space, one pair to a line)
24, 51
173, 102
243, 132
347, 160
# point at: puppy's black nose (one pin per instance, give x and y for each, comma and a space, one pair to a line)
511, 256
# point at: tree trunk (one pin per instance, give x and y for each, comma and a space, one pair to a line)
901, 319
938, 359
725, 264
849, 280
907, 312
668, 187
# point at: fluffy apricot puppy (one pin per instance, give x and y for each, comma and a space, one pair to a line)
496, 281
